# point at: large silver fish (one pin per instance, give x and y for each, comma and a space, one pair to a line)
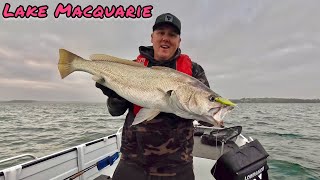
156, 89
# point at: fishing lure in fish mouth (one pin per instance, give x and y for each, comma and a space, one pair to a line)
224, 101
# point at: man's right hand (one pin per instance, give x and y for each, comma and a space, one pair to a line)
106, 91
117, 105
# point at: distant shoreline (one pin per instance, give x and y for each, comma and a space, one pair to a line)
20, 101
275, 100
242, 100
38, 101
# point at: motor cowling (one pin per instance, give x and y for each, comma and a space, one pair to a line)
249, 162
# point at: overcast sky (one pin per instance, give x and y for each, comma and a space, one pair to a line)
248, 48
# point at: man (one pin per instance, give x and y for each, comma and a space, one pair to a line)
162, 147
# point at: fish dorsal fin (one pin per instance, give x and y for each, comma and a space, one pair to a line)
105, 57
163, 68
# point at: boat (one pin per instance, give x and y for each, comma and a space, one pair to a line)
219, 153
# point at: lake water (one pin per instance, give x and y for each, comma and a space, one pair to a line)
290, 133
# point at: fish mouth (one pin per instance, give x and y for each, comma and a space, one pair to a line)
218, 113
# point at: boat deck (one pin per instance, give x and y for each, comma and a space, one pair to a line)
205, 157
209, 151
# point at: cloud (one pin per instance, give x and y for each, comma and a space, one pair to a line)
248, 48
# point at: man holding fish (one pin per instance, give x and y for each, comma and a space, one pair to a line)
162, 146
164, 92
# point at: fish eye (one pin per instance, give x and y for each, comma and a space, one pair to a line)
212, 98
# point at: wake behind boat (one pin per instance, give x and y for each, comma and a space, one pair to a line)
219, 153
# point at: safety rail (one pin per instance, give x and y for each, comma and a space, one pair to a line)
17, 157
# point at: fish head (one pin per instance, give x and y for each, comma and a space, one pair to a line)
203, 103
210, 106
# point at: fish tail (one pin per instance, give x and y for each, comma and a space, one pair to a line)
66, 62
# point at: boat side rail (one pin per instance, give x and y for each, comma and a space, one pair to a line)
75, 158
18, 157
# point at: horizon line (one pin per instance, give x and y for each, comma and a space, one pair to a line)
105, 100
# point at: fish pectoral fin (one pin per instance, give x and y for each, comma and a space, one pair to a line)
98, 79
105, 57
145, 114
169, 92
166, 92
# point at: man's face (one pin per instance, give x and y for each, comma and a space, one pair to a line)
165, 42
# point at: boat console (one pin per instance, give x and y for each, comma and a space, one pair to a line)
237, 157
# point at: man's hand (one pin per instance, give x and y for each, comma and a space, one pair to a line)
108, 92
205, 124
117, 105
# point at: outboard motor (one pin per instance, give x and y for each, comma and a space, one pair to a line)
248, 162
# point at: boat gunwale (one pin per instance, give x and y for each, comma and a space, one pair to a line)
51, 156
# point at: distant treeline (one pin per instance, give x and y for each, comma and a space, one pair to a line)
275, 100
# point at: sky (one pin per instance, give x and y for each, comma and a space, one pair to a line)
248, 48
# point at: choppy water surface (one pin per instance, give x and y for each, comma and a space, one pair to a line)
289, 132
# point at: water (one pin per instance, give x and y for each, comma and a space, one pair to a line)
289, 132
